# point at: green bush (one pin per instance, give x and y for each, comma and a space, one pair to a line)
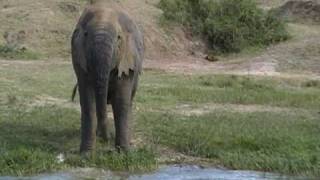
227, 25
10, 52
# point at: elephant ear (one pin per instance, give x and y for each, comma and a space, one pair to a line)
78, 55
126, 54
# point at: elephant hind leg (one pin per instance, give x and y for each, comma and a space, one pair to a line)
88, 116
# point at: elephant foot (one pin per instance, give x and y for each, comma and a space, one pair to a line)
87, 154
88, 148
123, 148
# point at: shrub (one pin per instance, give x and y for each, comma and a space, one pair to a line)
227, 25
11, 52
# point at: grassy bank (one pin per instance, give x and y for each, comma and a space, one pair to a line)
265, 141
273, 124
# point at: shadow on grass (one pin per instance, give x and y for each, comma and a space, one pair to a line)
31, 140
47, 127
15, 134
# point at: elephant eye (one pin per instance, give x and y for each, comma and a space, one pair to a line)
85, 33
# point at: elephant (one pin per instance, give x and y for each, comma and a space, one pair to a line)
107, 53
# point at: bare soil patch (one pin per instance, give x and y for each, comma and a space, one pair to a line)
45, 100
46, 26
190, 110
302, 11
298, 57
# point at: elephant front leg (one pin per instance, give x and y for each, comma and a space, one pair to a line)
122, 110
103, 124
88, 117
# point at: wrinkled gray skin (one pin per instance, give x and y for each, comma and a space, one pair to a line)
103, 75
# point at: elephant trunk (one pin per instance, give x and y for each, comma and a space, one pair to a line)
102, 52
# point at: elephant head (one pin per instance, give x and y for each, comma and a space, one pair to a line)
122, 38
107, 54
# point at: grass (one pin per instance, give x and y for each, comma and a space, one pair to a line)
171, 89
302, 52
33, 134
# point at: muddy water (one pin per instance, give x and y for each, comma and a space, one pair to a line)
174, 172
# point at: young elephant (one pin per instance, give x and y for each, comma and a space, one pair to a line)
107, 54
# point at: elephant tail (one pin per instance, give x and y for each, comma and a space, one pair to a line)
74, 92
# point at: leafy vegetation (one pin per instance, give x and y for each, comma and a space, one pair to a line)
17, 53
227, 25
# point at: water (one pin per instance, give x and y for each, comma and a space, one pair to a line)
174, 172
195, 172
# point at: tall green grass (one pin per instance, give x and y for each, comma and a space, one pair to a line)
32, 138
265, 141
